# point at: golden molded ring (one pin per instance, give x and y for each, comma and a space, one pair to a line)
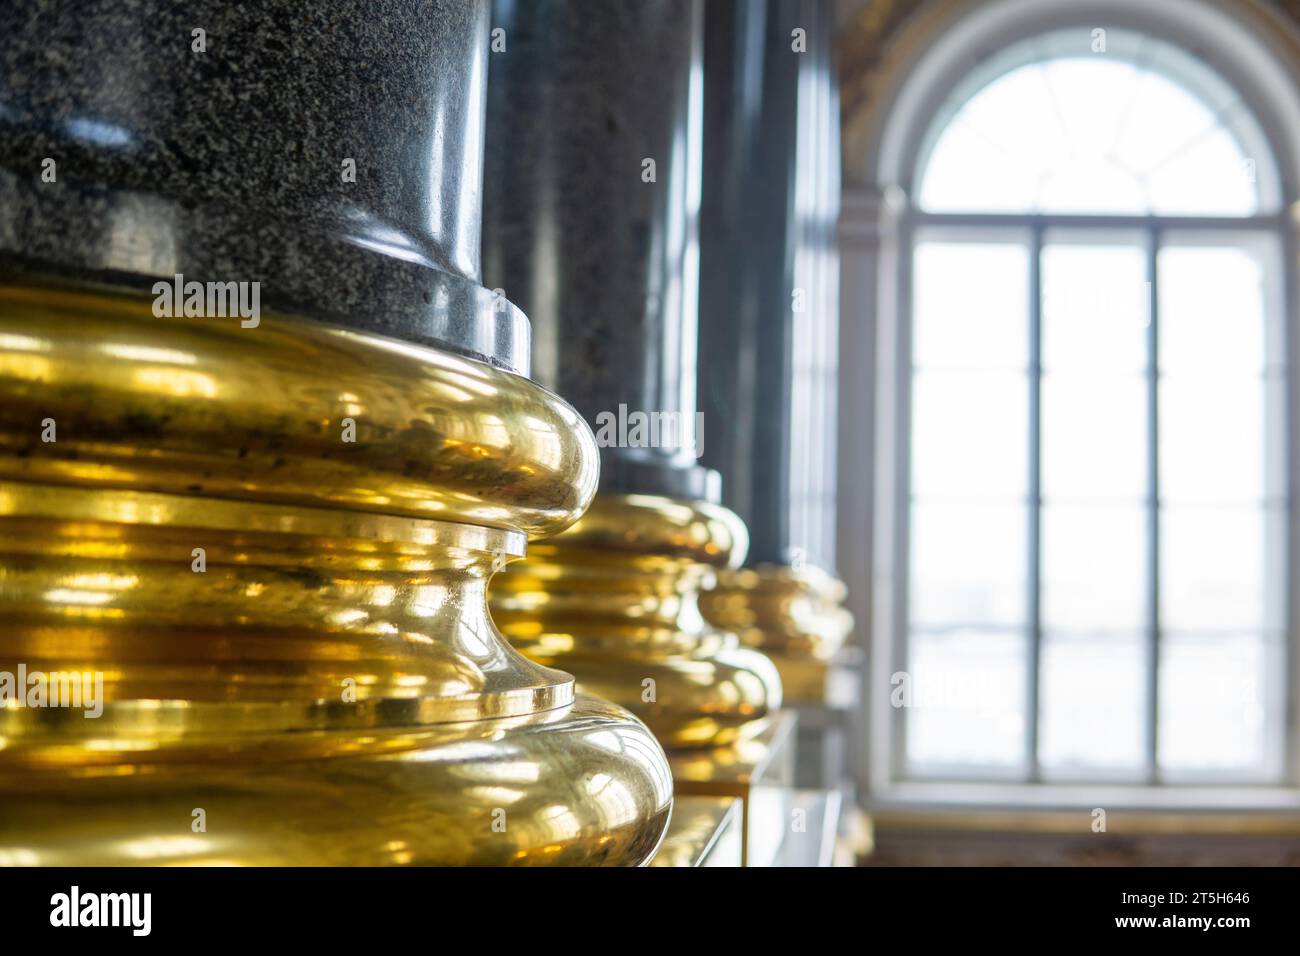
654, 526
291, 411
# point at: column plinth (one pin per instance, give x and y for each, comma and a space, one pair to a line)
290, 629
795, 617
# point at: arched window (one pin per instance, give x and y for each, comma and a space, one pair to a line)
1093, 402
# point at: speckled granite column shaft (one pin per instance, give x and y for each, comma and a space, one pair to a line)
604, 262
226, 163
767, 229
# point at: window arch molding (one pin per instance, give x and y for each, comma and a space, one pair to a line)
1238, 40
1251, 48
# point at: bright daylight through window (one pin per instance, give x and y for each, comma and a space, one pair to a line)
1097, 499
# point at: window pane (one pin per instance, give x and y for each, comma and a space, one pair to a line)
969, 434
1092, 185
1094, 437
968, 565
1094, 572
1221, 568
1093, 692
1019, 118
1220, 703
1209, 176
968, 699
1161, 119
1211, 440
971, 305
1212, 308
1096, 300
1004, 187
1085, 92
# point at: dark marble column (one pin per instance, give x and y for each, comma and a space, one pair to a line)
598, 247
223, 155
768, 273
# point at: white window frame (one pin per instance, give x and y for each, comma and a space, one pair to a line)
877, 228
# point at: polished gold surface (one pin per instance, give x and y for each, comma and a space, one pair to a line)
201, 406
578, 786
732, 770
705, 831
614, 601
291, 630
805, 680
798, 613
795, 617
759, 771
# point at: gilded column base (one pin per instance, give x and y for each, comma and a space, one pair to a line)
795, 617
614, 601
811, 681
267, 551
582, 785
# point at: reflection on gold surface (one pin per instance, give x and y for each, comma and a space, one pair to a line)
795, 617
614, 600
203, 407
759, 770
704, 831
327, 688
